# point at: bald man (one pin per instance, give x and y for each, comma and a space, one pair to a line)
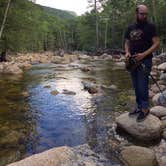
141, 40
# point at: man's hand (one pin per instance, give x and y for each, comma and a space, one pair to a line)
139, 56
127, 55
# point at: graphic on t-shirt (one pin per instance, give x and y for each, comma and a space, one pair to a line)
136, 35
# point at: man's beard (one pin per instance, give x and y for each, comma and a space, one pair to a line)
141, 21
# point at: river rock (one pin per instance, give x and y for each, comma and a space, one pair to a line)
67, 92
52, 157
120, 64
86, 69
149, 129
162, 99
151, 93
162, 67
164, 134
155, 99
10, 68
158, 111
163, 123
91, 88
1, 67
62, 156
54, 92
160, 151
163, 77
155, 88
138, 156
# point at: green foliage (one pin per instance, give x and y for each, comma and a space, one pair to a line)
31, 27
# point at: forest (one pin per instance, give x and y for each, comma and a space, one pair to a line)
33, 28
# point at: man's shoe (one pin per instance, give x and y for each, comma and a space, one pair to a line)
142, 115
134, 111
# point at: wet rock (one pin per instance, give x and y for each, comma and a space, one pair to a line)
63, 156
47, 86
149, 129
139, 156
86, 69
162, 67
54, 92
91, 88
158, 111
67, 92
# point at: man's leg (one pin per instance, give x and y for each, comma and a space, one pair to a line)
134, 76
143, 88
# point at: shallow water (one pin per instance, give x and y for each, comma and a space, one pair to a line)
42, 121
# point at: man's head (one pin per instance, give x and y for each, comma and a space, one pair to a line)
141, 13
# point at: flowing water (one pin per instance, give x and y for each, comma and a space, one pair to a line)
39, 121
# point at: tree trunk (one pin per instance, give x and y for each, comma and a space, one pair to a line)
113, 28
97, 25
4, 19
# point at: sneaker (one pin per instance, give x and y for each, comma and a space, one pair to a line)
134, 111
142, 115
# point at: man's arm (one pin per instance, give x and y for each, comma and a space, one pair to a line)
154, 47
127, 48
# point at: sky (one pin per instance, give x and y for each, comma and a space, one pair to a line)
78, 6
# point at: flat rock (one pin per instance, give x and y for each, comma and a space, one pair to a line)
149, 129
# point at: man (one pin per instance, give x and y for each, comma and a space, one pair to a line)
141, 41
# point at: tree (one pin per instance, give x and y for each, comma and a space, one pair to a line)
4, 19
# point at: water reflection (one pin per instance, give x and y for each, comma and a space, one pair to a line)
42, 120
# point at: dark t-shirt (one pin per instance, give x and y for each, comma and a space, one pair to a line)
140, 37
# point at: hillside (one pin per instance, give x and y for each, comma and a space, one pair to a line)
59, 13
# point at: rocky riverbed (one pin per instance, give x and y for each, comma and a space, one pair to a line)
111, 98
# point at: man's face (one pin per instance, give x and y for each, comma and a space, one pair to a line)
142, 15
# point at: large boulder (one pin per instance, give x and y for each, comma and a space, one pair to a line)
138, 156
64, 156
52, 157
149, 129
